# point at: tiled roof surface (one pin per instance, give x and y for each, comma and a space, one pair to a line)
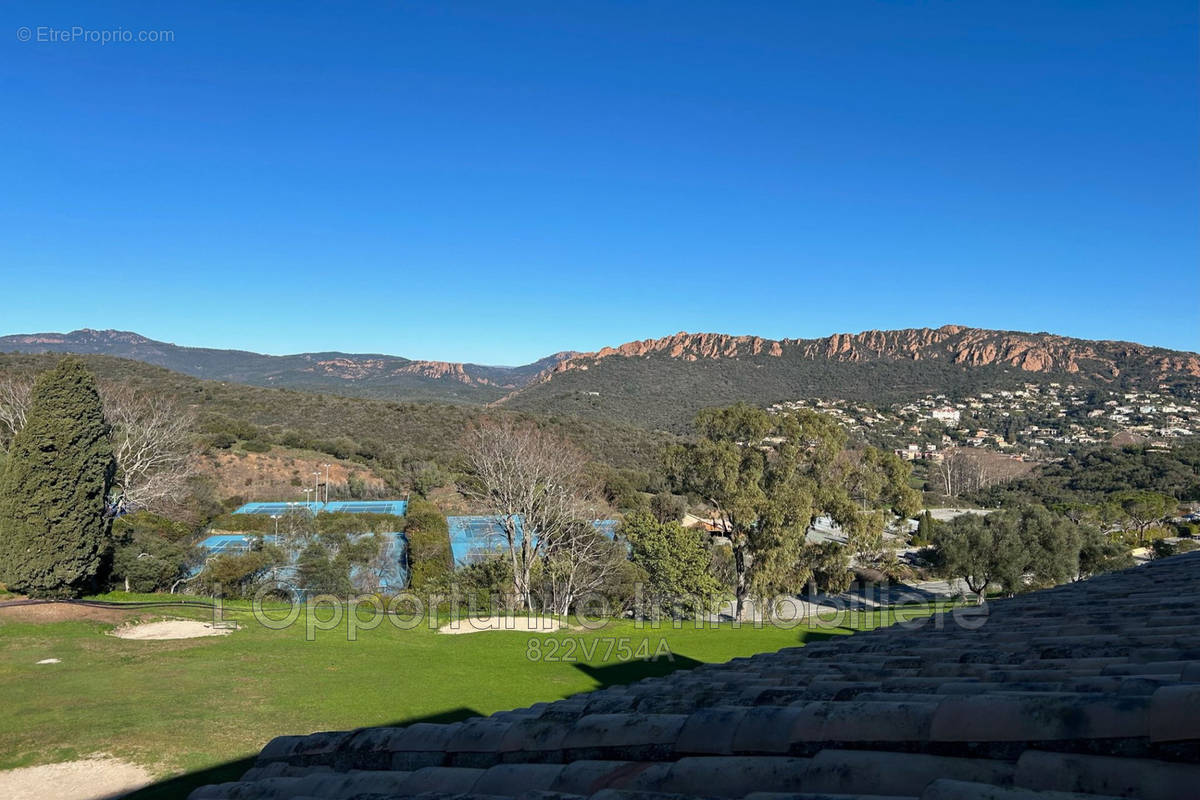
1086, 690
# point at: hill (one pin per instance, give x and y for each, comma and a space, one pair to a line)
355, 374
661, 383
393, 438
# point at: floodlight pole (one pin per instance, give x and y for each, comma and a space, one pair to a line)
327, 466
317, 485
276, 518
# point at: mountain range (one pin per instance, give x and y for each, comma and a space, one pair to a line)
660, 383
354, 374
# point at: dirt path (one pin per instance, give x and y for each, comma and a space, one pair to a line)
96, 778
66, 612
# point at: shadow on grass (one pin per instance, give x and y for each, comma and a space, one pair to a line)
181, 786
630, 671
623, 672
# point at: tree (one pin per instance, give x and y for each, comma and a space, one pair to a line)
429, 556
961, 472
152, 444
829, 566
14, 404
147, 562
1143, 510
676, 562
1099, 552
324, 570
1050, 544
151, 435
54, 526
1031, 548
878, 482
579, 560
768, 477
927, 527
667, 507
977, 553
534, 484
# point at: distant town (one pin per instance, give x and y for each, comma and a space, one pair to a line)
1038, 422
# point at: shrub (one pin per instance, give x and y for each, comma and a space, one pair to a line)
221, 441
146, 562
146, 522
238, 574
486, 586
667, 507
1187, 528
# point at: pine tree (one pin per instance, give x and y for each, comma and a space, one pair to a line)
54, 532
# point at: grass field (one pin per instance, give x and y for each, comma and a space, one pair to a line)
187, 705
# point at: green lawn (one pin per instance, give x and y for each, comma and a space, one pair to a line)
180, 706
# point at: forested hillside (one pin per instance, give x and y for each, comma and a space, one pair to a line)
1094, 475
395, 436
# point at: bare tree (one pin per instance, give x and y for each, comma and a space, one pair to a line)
152, 443
14, 403
961, 472
534, 484
580, 561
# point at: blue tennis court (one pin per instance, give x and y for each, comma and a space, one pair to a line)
393, 507
477, 538
279, 509
222, 543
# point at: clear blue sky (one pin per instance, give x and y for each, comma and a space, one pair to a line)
493, 181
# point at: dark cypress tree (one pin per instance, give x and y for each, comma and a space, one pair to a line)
54, 530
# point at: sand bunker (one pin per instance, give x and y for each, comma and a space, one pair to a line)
96, 778
170, 629
502, 623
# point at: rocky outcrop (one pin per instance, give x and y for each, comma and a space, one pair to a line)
442, 370
688, 346
1029, 352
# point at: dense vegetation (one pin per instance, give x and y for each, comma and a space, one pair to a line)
1094, 475
1020, 550
398, 439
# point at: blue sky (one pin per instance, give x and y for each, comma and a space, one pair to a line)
493, 182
